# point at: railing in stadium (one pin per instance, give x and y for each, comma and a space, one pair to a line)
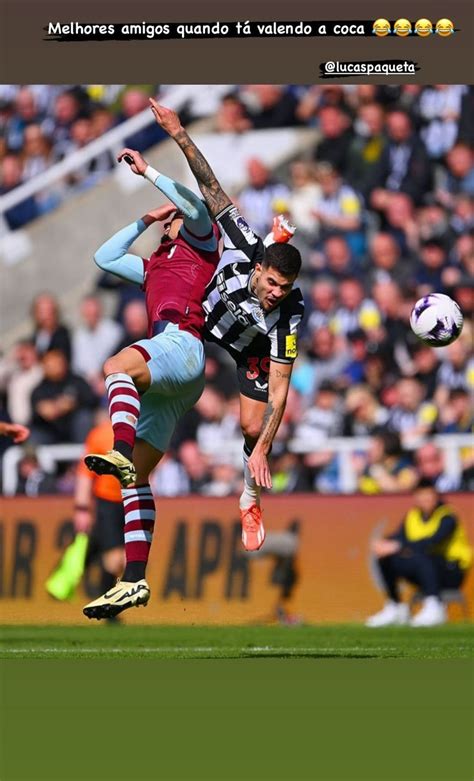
113, 139
343, 447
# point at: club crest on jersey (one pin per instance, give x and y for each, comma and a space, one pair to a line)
244, 227
290, 346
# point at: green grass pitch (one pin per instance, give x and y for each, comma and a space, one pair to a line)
105, 641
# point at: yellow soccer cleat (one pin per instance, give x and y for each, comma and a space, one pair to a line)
112, 463
120, 597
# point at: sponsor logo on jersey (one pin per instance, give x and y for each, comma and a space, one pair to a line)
244, 227
290, 346
237, 311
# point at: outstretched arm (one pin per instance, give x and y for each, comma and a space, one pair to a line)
196, 217
215, 196
113, 255
278, 385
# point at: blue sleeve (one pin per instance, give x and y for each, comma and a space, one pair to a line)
113, 256
196, 217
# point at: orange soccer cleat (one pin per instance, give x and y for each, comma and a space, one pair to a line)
253, 532
282, 231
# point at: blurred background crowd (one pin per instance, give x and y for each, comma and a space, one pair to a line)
384, 210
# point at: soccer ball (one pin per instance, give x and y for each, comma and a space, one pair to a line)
436, 319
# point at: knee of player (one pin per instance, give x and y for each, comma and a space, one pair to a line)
250, 430
112, 365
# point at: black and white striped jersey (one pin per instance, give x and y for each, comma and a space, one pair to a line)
234, 317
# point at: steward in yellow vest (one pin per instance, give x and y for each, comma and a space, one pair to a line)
430, 550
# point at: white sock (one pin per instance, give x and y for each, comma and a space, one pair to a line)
251, 492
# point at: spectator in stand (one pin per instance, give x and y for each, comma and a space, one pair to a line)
91, 172
433, 220
323, 419
386, 263
336, 137
412, 417
381, 373
456, 417
317, 97
196, 465
400, 222
49, 333
135, 324
219, 422
430, 549
431, 267
270, 106
462, 217
24, 377
288, 474
26, 113
327, 358
93, 341
102, 120
33, 481
323, 304
404, 165
366, 149
431, 464
231, 116
169, 478
63, 403
11, 176
363, 413
320, 422
456, 370
133, 102
354, 311
339, 209
439, 107
394, 313
302, 199
426, 366
388, 468
458, 178
67, 109
336, 260
37, 156
225, 480
257, 198
359, 346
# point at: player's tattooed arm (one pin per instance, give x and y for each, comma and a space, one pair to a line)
279, 382
215, 196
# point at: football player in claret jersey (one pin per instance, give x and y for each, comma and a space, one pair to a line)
152, 383
253, 311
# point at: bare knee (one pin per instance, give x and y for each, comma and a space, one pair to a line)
114, 365
131, 362
251, 431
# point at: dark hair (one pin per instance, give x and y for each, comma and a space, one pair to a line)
390, 439
425, 482
284, 258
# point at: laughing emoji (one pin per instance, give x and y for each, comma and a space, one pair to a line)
381, 27
423, 28
444, 27
402, 27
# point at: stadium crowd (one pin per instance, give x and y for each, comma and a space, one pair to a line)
384, 210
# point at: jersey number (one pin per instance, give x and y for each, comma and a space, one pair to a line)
257, 365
